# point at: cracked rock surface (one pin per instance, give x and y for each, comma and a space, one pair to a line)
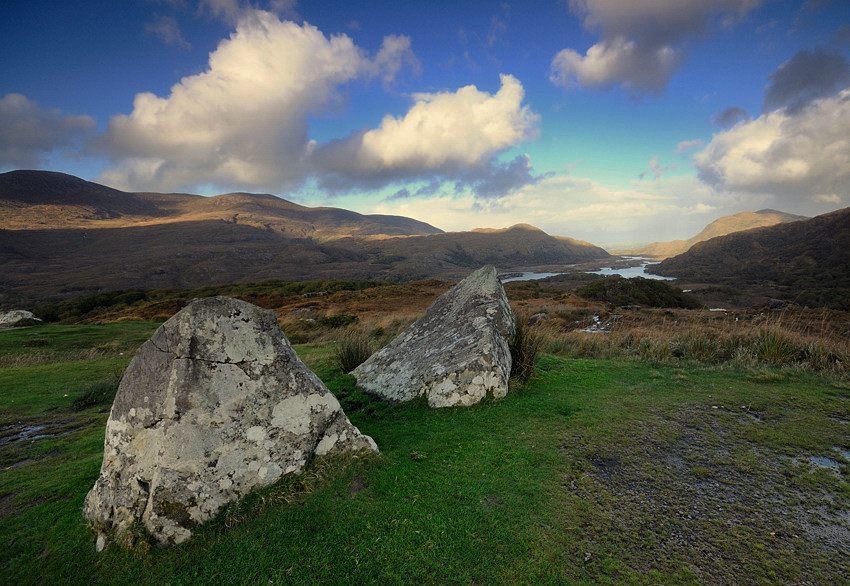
456, 354
216, 404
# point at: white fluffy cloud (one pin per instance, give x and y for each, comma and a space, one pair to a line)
642, 43
28, 132
243, 122
796, 155
466, 127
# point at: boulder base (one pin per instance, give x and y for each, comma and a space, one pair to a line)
455, 354
214, 405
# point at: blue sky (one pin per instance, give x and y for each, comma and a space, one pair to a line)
609, 121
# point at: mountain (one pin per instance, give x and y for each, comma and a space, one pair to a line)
61, 236
49, 200
807, 261
719, 227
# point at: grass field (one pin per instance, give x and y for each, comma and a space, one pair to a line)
594, 470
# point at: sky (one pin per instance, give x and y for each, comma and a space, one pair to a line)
611, 121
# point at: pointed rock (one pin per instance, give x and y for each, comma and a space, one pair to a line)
214, 405
455, 354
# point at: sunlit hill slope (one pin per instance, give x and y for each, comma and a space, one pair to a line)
61, 236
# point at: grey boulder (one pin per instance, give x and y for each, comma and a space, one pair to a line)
455, 355
215, 405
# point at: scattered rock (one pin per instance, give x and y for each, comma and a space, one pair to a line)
537, 317
455, 354
216, 404
17, 317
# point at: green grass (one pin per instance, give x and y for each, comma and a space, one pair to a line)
592, 471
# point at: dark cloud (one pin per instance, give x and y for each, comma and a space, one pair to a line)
28, 132
642, 43
806, 77
499, 179
730, 117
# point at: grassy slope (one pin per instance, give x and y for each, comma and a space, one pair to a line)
604, 471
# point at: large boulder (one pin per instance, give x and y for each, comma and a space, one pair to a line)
455, 354
216, 404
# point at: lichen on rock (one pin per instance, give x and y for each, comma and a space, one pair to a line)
455, 355
215, 405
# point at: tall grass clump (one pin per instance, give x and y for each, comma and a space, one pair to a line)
525, 346
101, 393
773, 345
352, 349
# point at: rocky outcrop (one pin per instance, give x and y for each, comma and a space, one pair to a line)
16, 318
214, 405
455, 354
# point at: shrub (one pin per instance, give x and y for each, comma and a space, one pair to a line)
338, 321
525, 347
636, 291
352, 350
97, 394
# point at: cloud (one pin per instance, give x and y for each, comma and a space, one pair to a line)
730, 117
394, 53
688, 145
243, 122
168, 31
232, 11
227, 11
450, 134
807, 76
577, 207
656, 169
792, 154
28, 132
642, 43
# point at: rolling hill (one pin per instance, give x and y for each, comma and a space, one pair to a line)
61, 236
719, 227
807, 261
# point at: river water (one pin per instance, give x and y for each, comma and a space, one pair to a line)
627, 272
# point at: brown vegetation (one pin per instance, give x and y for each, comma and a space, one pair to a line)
62, 237
719, 227
564, 323
807, 262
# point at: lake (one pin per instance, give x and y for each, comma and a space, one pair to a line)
626, 272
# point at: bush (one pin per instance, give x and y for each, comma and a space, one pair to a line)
97, 394
525, 347
352, 350
637, 291
338, 321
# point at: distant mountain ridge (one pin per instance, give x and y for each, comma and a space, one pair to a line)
61, 236
719, 227
50, 200
807, 261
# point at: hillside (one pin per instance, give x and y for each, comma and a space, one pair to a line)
48, 200
806, 261
61, 236
719, 227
